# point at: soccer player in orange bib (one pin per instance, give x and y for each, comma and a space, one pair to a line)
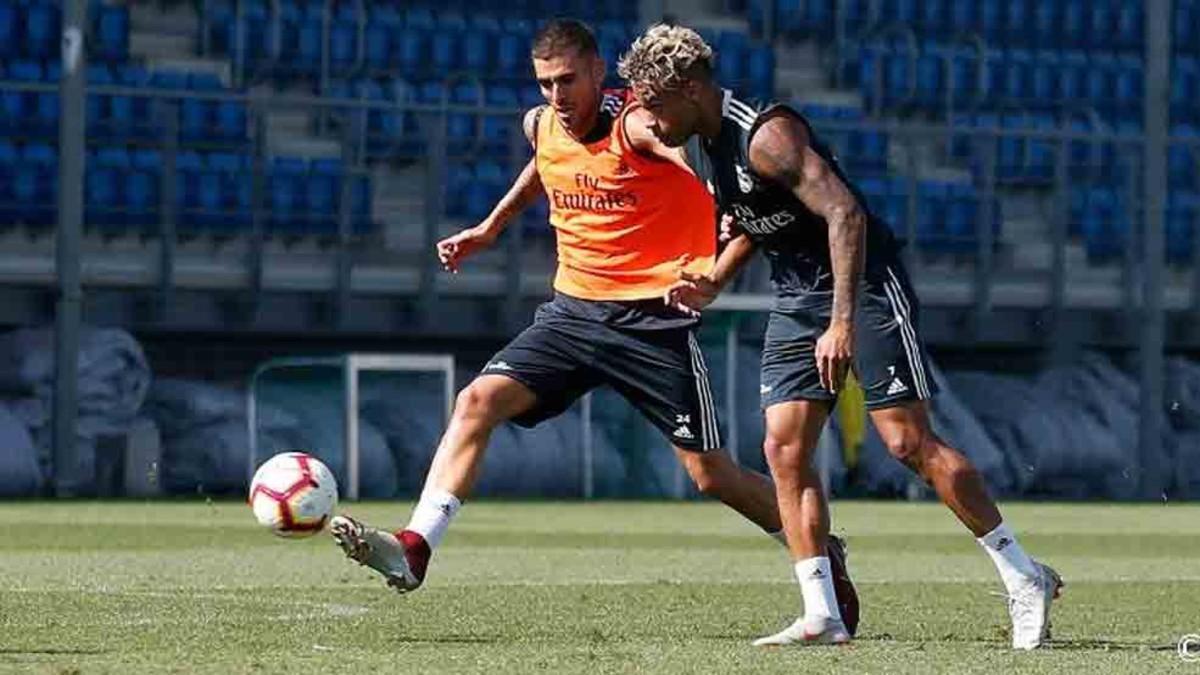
629, 217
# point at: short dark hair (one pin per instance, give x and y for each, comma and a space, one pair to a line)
560, 34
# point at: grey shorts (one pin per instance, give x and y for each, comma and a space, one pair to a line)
889, 360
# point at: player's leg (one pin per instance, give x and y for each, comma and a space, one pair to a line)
793, 428
892, 366
537, 376
746, 491
662, 374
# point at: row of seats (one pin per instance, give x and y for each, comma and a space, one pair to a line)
32, 30
1103, 25
860, 151
1029, 158
889, 74
123, 191
948, 213
33, 114
472, 189
1101, 215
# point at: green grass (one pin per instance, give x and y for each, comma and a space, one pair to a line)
596, 588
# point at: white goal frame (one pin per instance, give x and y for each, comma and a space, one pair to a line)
350, 365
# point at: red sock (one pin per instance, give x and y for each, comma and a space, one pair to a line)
416, 551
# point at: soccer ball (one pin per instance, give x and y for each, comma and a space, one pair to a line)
293, 494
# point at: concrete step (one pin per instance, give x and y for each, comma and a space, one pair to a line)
191, 64
149, 45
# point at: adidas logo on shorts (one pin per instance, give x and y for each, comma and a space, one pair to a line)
896, 387
684, 433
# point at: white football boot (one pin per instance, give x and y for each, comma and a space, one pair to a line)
815, 631
378, 549
1030, 609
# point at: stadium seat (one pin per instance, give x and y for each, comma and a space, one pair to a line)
111, 33
142, 188
323, 190
498, 130
1183, 210
35, 185
760, 72
286, 195
42, 30
104, 201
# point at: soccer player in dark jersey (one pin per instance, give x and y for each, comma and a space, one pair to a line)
843, 300
629, 217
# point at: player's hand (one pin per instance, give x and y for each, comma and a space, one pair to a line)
834, 352
692, 293
452, 250
729, 229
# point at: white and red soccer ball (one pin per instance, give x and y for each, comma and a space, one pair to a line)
293, 494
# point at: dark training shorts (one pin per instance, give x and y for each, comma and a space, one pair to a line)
660, 372
889, 359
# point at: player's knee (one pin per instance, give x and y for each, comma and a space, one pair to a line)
910, 446
781, 453
708, 473
475, 404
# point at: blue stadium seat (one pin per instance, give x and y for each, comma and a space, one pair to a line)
1043, 79
188, 167
512, 58
1101, 15
1130, 26
286, 195
1018, 84
477, 51
307, 57
1128, 85
1017, 16
498, 130
990, 23
1104, 225
962, 16
444, 50
1101, 83
383, 22
760, 72
410, 51
1182, 159
142, 188
195, 119
1047, 21
1042, 157
1183, 210
1072, 77
104, 188
458, 177
343, 45
112, 33
42, 30
961, 216
360, 204
1184, 26
461, 127
485, 190
1185, 89
323, 190
9, 43
932, 199
1073, 28
35, 185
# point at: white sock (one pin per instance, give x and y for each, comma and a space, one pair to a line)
816, 586
778, 536
1015, 566
433, 514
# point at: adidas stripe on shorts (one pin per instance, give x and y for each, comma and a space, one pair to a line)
889, 360
662, 373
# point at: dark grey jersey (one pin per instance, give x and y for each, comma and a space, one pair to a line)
793, 238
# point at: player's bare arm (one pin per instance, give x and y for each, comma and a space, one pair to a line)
524, 190
693, 292
780, 151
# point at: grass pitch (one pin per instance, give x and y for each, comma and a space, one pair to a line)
596, 588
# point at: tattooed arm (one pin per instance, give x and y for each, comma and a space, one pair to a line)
780, 152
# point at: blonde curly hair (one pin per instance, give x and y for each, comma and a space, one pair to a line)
665, 57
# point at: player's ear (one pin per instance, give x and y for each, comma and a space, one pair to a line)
599, 69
